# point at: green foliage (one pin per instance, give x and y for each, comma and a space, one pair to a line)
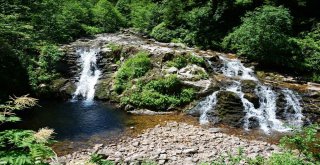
306, 142
106, 16
309, 47
144, 15
263, 36
159, 94
7, 110
22, 147
95, 158
43, 68
162, 33
183, 60
286, 158
134, 67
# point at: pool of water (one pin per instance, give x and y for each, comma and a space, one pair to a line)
74, 120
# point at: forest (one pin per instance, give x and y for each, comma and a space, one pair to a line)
279, 35
274, 33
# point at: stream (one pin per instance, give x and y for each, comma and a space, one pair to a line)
83, 122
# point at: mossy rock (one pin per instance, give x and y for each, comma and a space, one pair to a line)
103, 89
57, 84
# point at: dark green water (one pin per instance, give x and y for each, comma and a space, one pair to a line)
78, 125
74, 121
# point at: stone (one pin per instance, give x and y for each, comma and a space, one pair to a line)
172, 70
228, 110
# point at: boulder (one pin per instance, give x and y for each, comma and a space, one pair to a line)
229, 109
192, 73
103, 89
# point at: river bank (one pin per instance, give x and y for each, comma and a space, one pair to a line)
174, 143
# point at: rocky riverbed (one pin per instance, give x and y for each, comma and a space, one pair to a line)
174, 143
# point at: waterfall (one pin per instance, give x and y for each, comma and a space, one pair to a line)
267, 109
206, 105
293, 103
234, 68
89, 74
265, 114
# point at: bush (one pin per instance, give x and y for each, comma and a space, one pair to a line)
43, 68
106, 16
162, 33
159, 94
309, 48
306, 142
183, 60
263, 36
134, 67
22, 147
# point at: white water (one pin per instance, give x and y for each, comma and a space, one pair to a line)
293, 102
234, 68
206, 105
265, 114
89, 75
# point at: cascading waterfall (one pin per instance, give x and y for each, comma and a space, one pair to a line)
267, 109
205, 105
265, 114
234, 68
295, 116
89, 75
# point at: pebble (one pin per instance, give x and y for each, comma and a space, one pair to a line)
175, 143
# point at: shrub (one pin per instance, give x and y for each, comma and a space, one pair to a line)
306, 142
43, 69
134, 67
160, 94
309, 48
183, 60
162, 33
106, 16
263, 36
22, 147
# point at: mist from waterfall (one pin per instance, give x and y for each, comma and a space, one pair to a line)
89, 74
265, 114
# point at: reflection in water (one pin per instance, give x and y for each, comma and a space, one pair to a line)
74, 120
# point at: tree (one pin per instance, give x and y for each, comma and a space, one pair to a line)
107, 17
263, 36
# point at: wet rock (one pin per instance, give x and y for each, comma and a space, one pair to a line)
229, 109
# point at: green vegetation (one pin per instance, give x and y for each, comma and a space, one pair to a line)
183, 60
159, 94
98, 160
274, 33
306, 142
22, 147
134, 67
30, 31
263, 35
